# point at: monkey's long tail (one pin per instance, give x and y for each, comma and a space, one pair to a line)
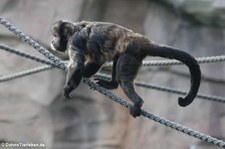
187, 59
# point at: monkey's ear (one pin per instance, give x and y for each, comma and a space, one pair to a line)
59, 22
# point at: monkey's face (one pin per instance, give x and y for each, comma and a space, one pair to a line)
62, 31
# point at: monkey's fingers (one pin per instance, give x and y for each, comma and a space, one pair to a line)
67, 91
67, 95
135, 111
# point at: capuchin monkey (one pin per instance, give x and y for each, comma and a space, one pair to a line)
88, 45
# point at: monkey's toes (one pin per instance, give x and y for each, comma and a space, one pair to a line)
101, 82
106, 84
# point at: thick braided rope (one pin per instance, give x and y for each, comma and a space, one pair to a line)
24, 73
168, 89
105, 92
32, 43
27, 55
157, 118
202, 60
210, 59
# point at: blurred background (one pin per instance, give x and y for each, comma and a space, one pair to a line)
33, 109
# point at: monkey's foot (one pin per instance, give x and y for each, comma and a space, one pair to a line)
107, 84
135, 111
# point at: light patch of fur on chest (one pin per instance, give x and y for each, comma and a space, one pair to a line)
88, 58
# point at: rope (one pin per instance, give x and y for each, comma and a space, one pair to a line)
105, 92
167, 89
24, 73
27, 55
201, 60
210, 59
157, 118
32, 43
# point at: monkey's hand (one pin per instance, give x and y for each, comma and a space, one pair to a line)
106, 84
135, 111
67, 91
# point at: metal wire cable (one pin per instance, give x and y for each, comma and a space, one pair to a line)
24, 73
105, 92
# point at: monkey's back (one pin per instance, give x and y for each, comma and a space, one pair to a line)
112, 38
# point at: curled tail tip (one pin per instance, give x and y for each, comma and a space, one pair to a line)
183, 102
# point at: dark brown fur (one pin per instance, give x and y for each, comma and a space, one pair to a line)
88, 45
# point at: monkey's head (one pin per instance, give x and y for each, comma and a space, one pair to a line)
62, 31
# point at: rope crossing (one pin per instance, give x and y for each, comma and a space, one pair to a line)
105, 92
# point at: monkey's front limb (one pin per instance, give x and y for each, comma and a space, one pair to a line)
74, 77
75, 72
